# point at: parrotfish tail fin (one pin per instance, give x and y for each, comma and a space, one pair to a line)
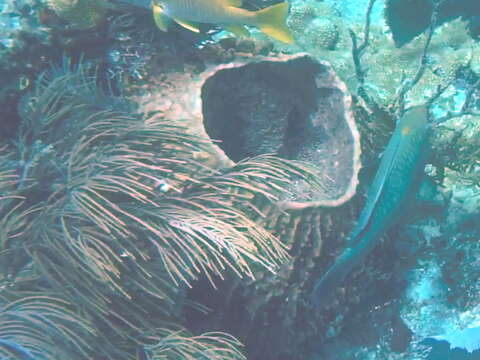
325, 287
272, 21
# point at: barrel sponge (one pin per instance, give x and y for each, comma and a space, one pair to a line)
293, 106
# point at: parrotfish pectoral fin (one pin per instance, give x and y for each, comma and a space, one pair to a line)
187, 25
237, 30
272, 21
161, 20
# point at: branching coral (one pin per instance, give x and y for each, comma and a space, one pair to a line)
389, 67
457, 158
109, 209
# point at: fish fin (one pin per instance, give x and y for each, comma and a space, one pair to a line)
325, 287
237, 30
235, 3
187, 25
161, 20
272, 21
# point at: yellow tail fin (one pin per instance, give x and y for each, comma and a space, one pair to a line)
272, 21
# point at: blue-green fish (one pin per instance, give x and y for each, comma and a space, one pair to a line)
226, 13
397, 178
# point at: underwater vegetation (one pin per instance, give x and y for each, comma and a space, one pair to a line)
106, 219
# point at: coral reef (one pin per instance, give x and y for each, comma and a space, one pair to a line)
22, 43
34, 38
293, 106
407, 20
110, 287
316, 26
451, 49
272, 314
240, 91
81, 14
214, 87
103, 225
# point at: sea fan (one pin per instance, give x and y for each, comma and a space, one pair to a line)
179, 344
109, 209
42, 327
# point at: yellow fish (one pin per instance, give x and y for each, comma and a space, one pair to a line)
226, 13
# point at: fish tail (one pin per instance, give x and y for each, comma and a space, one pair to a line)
324, 289
272, 21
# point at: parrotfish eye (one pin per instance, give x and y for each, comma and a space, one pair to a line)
406, 130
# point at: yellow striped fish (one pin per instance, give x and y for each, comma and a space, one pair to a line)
226, 13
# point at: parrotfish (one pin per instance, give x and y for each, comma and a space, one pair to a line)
397, 178
226, 13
